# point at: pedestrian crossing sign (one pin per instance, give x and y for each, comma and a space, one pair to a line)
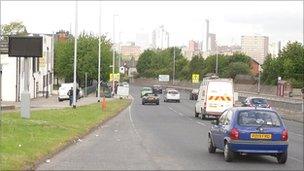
195, 78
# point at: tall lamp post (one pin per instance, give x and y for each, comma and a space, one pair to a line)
99, 53
113, 58
75, 54
216, 62
173, 65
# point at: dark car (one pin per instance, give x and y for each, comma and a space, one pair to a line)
150, 98
256, 102
194, 94
157, 89
247, 130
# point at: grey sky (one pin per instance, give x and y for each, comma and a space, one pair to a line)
280, 20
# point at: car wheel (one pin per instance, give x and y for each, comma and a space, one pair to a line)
282, 158
211, 148
143, 103
59, 99
157, 103
178, 101
195, 113
228, 154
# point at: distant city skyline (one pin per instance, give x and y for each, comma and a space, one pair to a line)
184, 20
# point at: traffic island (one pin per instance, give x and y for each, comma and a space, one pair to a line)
27, 142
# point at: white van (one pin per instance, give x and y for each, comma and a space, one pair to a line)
64, 89
215, 95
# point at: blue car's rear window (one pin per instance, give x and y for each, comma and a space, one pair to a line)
258, 117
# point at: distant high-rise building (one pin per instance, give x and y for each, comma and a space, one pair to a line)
256, 47
160, 38
207, 35
142, 40
193, 45
213, 45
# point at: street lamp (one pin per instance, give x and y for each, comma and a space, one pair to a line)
113, 58
75, 54
216, 62
99, 53
173, 65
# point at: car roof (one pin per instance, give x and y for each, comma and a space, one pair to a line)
251, 108
256, 97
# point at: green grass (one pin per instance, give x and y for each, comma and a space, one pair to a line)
24, 141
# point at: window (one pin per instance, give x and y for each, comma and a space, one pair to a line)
223, 118
257, 117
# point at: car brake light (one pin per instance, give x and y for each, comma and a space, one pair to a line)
234, 134
284, 136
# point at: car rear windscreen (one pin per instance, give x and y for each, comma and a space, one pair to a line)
259, 101
257, 117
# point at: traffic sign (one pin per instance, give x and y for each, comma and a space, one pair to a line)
195, 78
115, 77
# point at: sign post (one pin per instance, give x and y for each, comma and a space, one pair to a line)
25, 47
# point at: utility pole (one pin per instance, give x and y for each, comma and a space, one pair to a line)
113, 58
259, 80
173, 65
75, 54
216, 62
0, 66
99, 54
86, 84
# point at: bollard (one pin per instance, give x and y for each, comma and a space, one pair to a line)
103, 103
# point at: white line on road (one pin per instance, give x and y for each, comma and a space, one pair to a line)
293, 158
300, 135
130, 117
181, 114
201, 123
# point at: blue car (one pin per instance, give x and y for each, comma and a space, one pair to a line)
247, 130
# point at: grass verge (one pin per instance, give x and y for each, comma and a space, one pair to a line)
26, 141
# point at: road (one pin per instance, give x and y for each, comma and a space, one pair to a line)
166, 137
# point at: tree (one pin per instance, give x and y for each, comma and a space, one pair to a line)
14, 28
87, 58
236, 68
197, 65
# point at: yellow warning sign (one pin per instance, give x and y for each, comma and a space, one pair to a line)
195, 78
114, 77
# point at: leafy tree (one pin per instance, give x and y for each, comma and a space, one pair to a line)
236, 68
87, 58
197, 65
14, 28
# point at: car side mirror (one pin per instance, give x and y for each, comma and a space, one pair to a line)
215, 122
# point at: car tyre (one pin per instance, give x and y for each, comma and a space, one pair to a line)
178, 101
211, 148
143, 103
60, 100
228, 154
195, 113
157, 103
282, 158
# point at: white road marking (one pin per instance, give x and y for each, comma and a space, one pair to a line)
300, 135
131, 120
181, 114
200, 123
293, 158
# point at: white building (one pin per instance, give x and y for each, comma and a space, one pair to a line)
41, 73
255, 47
160, 38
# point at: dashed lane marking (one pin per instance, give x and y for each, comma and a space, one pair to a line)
201, 123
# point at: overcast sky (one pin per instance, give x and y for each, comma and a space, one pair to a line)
184, 20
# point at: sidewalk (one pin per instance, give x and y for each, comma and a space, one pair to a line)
53, 103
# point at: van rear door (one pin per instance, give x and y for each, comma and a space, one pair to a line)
219, 97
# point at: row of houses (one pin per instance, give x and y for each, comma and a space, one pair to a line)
41, 71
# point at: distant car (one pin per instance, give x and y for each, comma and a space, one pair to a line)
171, 95
256, 102
247, 130
194, 94
150, 98
145, 90
157, 89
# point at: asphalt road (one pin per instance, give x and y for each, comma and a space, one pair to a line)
166, 137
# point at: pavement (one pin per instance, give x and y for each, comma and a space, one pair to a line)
163, 137
53, 103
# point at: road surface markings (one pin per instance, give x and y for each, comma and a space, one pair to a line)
293, 158
131, 119
300, 135
180, 114
201, 123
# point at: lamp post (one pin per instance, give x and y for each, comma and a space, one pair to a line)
99, 53
259, 80
173, 65
0, 65
113, 58
216, 62
75, 54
